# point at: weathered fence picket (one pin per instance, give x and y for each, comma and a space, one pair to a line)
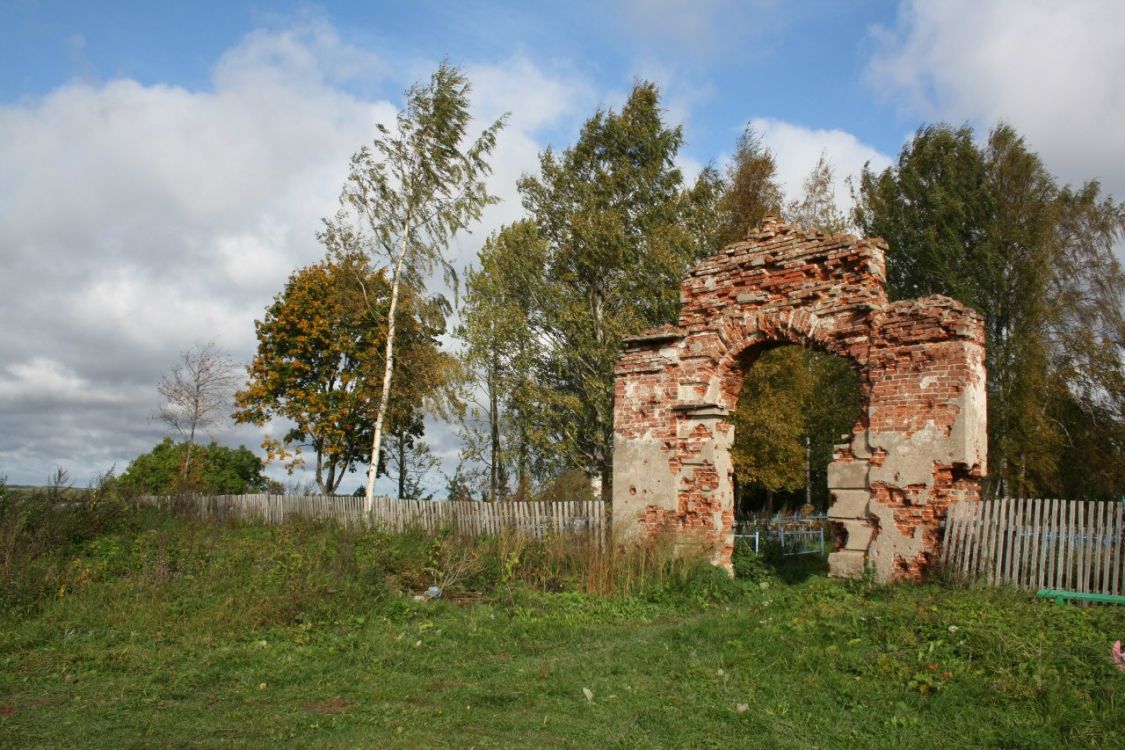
1037, 543
537, 519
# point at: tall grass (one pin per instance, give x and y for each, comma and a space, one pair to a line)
41, 527
186, 633
53, 546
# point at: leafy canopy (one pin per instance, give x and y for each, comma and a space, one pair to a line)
319, 364
212, 470
615, 219
991, 227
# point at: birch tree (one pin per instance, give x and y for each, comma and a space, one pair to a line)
408, 193
197, 393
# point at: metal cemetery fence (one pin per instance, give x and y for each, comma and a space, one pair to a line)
1036, 543
794, 535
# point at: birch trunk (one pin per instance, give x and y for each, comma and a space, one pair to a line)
187, 458
493, 431
388, 370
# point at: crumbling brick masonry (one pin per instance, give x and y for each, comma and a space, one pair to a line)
918, 446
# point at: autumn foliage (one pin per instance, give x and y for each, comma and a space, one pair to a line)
319, 365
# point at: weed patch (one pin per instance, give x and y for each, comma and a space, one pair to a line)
181, 633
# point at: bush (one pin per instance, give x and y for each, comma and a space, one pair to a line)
214, 470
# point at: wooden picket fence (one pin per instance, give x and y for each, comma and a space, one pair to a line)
536, 519
1036, 543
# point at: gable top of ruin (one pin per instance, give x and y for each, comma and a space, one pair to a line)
776, 245
778, 264
779, 269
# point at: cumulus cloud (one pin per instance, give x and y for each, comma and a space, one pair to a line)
136, 220
41, 381
796, 150
1053, 70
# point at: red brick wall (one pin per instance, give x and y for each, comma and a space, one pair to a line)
920, 365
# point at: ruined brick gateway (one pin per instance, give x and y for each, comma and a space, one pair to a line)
918, 446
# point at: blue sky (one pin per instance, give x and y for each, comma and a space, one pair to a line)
163, 167
720, 62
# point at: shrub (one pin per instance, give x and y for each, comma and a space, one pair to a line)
214, 470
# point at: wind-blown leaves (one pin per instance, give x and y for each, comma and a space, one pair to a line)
612, 212
409, 192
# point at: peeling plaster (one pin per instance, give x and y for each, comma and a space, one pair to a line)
919, 445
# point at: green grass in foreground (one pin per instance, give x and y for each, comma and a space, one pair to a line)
168, 634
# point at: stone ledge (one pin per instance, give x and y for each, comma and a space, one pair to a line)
655, 335
701, 409
846, 564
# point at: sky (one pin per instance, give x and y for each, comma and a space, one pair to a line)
164, 167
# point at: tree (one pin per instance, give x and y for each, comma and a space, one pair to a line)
610, 211
769, 424
932, 208
407, 459
500, 355
1087, 331
212, 469
992, 228
409, 193
197, 393
816, 208
318, 363
750, 192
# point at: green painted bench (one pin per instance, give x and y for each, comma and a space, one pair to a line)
1061, 596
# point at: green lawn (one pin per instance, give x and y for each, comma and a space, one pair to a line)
168, 634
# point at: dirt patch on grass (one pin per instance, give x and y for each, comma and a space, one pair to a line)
335, 705
8, 709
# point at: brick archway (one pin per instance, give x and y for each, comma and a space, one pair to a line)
918, 446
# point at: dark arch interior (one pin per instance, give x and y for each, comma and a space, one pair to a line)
794, 405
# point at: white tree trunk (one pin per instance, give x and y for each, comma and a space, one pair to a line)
388, 370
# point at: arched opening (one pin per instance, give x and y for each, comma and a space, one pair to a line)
795, 406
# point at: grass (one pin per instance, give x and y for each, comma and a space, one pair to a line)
166, 633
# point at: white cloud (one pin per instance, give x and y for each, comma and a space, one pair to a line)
532, 98
1053, 70
48, 382
136, 220
796, 150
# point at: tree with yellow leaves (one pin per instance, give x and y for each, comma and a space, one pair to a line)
319, 365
